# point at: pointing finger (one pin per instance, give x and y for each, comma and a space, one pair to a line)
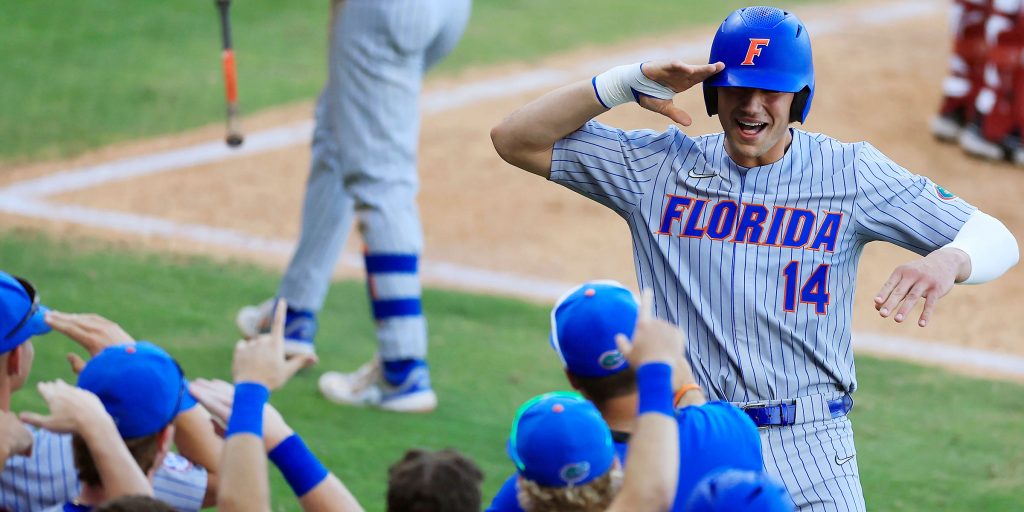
622, 342
277, 328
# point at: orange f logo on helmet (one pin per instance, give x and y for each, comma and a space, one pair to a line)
754, 50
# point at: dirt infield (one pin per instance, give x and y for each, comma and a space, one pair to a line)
873, 83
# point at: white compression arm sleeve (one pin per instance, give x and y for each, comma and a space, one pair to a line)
991, 247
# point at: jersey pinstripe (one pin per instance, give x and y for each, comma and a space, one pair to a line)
756, 265
48, 478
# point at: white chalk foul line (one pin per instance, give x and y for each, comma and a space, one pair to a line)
27, 198
144, 225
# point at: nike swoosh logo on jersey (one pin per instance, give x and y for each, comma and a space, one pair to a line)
844, 460
694, 174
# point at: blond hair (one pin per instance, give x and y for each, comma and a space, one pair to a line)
594, 495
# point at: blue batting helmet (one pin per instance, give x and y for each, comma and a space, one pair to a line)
750, 491
763, 48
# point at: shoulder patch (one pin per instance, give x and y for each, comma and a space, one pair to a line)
944, 194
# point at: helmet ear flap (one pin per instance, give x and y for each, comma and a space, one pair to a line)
796, 110
711, 99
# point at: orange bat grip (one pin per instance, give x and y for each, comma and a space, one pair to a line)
227, 58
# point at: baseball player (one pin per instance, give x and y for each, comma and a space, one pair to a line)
750, 238
364, 164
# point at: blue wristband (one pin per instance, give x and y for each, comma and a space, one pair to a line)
300, 468
247, 409
654, 383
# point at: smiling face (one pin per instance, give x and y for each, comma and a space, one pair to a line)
756, 124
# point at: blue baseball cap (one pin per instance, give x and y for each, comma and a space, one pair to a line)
584, 323
141, 387
560, 439
21, 314
734, 489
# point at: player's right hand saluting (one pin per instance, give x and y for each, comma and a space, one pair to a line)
678, 76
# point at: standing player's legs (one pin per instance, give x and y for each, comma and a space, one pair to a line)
326, 218
817, 463
381, 52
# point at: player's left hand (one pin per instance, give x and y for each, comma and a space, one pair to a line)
930, 278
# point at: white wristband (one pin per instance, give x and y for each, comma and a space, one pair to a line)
623, 84
991, 247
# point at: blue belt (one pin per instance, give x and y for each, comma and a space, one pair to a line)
784, 414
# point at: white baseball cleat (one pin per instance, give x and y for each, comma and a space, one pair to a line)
975, 144
366, 387
946, 128
299, 328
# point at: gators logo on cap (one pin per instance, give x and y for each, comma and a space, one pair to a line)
574, 472
611, 360
944, 194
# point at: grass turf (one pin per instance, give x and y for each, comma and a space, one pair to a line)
85, 73
927, 439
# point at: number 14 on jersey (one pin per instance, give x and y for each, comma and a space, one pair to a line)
813, 291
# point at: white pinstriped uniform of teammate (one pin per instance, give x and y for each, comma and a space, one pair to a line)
48, 477
364, 168
757, 262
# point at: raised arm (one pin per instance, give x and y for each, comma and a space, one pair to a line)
653, 469
77, 411
527, 137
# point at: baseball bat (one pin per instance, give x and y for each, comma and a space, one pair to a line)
227, 59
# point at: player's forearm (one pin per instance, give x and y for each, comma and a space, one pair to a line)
196, 439
650, 478
527, 136
330, 495
243, 465
118, 470
989, 247
243, 475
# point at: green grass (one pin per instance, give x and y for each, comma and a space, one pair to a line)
927, 440
78, 74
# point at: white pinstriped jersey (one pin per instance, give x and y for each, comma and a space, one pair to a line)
757, 266
48, 478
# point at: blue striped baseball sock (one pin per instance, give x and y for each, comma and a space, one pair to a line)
394, 287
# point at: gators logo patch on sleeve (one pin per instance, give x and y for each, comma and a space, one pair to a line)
944, 194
